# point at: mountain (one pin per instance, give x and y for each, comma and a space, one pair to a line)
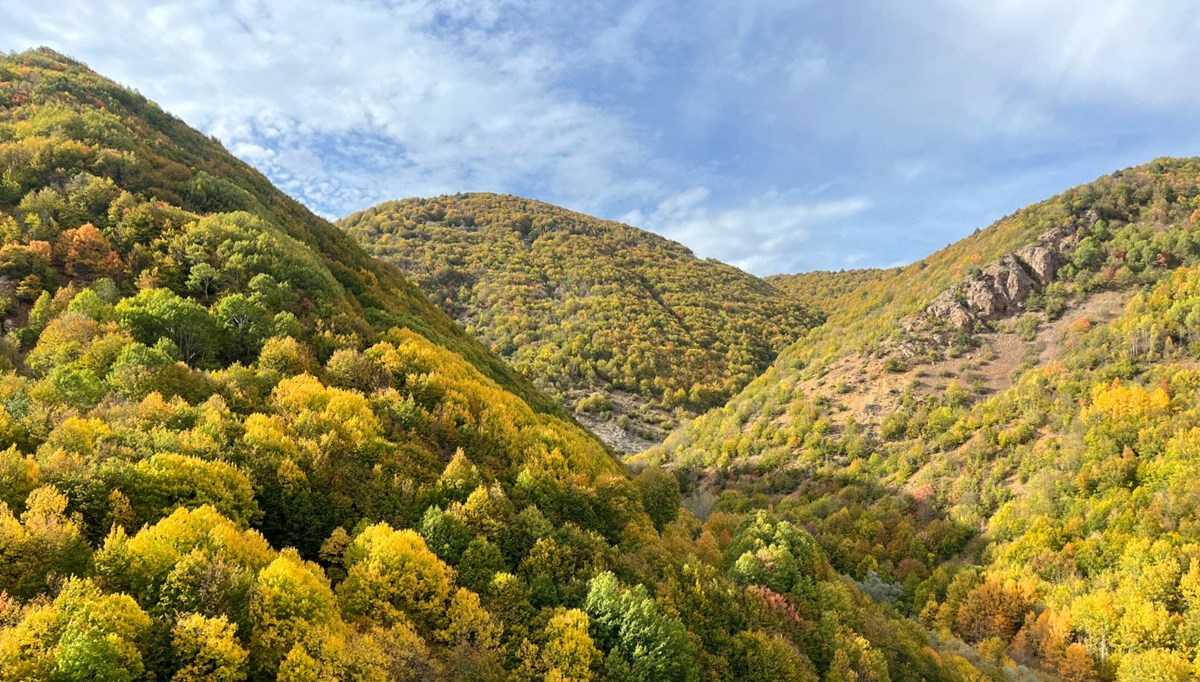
826, 290
631, 330
233, 446
1004, 433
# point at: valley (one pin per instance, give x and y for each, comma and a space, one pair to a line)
235, 446
631, 330
482, 437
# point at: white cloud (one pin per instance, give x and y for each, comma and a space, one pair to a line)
1089, 49
456, 97
947, 114
621, 44
1026, 68
770, 233
909, 170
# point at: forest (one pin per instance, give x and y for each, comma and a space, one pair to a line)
622, 325
241, 442
233, 446
1045, 516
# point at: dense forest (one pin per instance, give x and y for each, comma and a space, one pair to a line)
235, 447
1001, 439
628, 328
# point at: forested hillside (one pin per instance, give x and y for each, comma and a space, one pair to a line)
823, 290
630, 329
1001, 438
234, 447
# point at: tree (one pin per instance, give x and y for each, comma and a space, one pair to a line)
756, 655
1154, 665
445, 534
159, 313
840, 669
246, 321
42, 546
333, 554
286, 356
204, 280
39, 316
469, 623
75, 385
489, 512
300, 666
91, 304
508, 599
659, 491
166, 481
480, 561
1076, 664
140, 370
207, 193
391, 576
992, 609
569, 655
191, 561
291, 605
83, 634
207, 649
18, 477
460, 477
644, 644
87, 255
775, 554
348, 368
1096, 616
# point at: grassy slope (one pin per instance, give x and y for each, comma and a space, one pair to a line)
864, 309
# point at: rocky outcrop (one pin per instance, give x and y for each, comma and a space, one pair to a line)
1040, 261
999, 291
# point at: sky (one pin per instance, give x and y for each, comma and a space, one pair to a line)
776, 135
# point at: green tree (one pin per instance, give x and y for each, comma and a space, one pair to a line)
756, 655
247, 323
83, 634
160, 313
643, 643
166, 481
659, 491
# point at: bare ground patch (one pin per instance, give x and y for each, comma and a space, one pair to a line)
863, 388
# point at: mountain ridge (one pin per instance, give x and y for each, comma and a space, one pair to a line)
1000, 431
234, 447
627, 326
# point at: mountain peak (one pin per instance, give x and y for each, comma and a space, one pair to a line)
605, 308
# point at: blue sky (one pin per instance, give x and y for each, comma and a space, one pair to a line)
779, 136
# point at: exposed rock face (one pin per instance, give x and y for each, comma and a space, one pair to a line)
999, 291
1040, 261
945, 307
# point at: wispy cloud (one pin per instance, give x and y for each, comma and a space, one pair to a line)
1087, 50
770, 233
435, 96
774, 134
